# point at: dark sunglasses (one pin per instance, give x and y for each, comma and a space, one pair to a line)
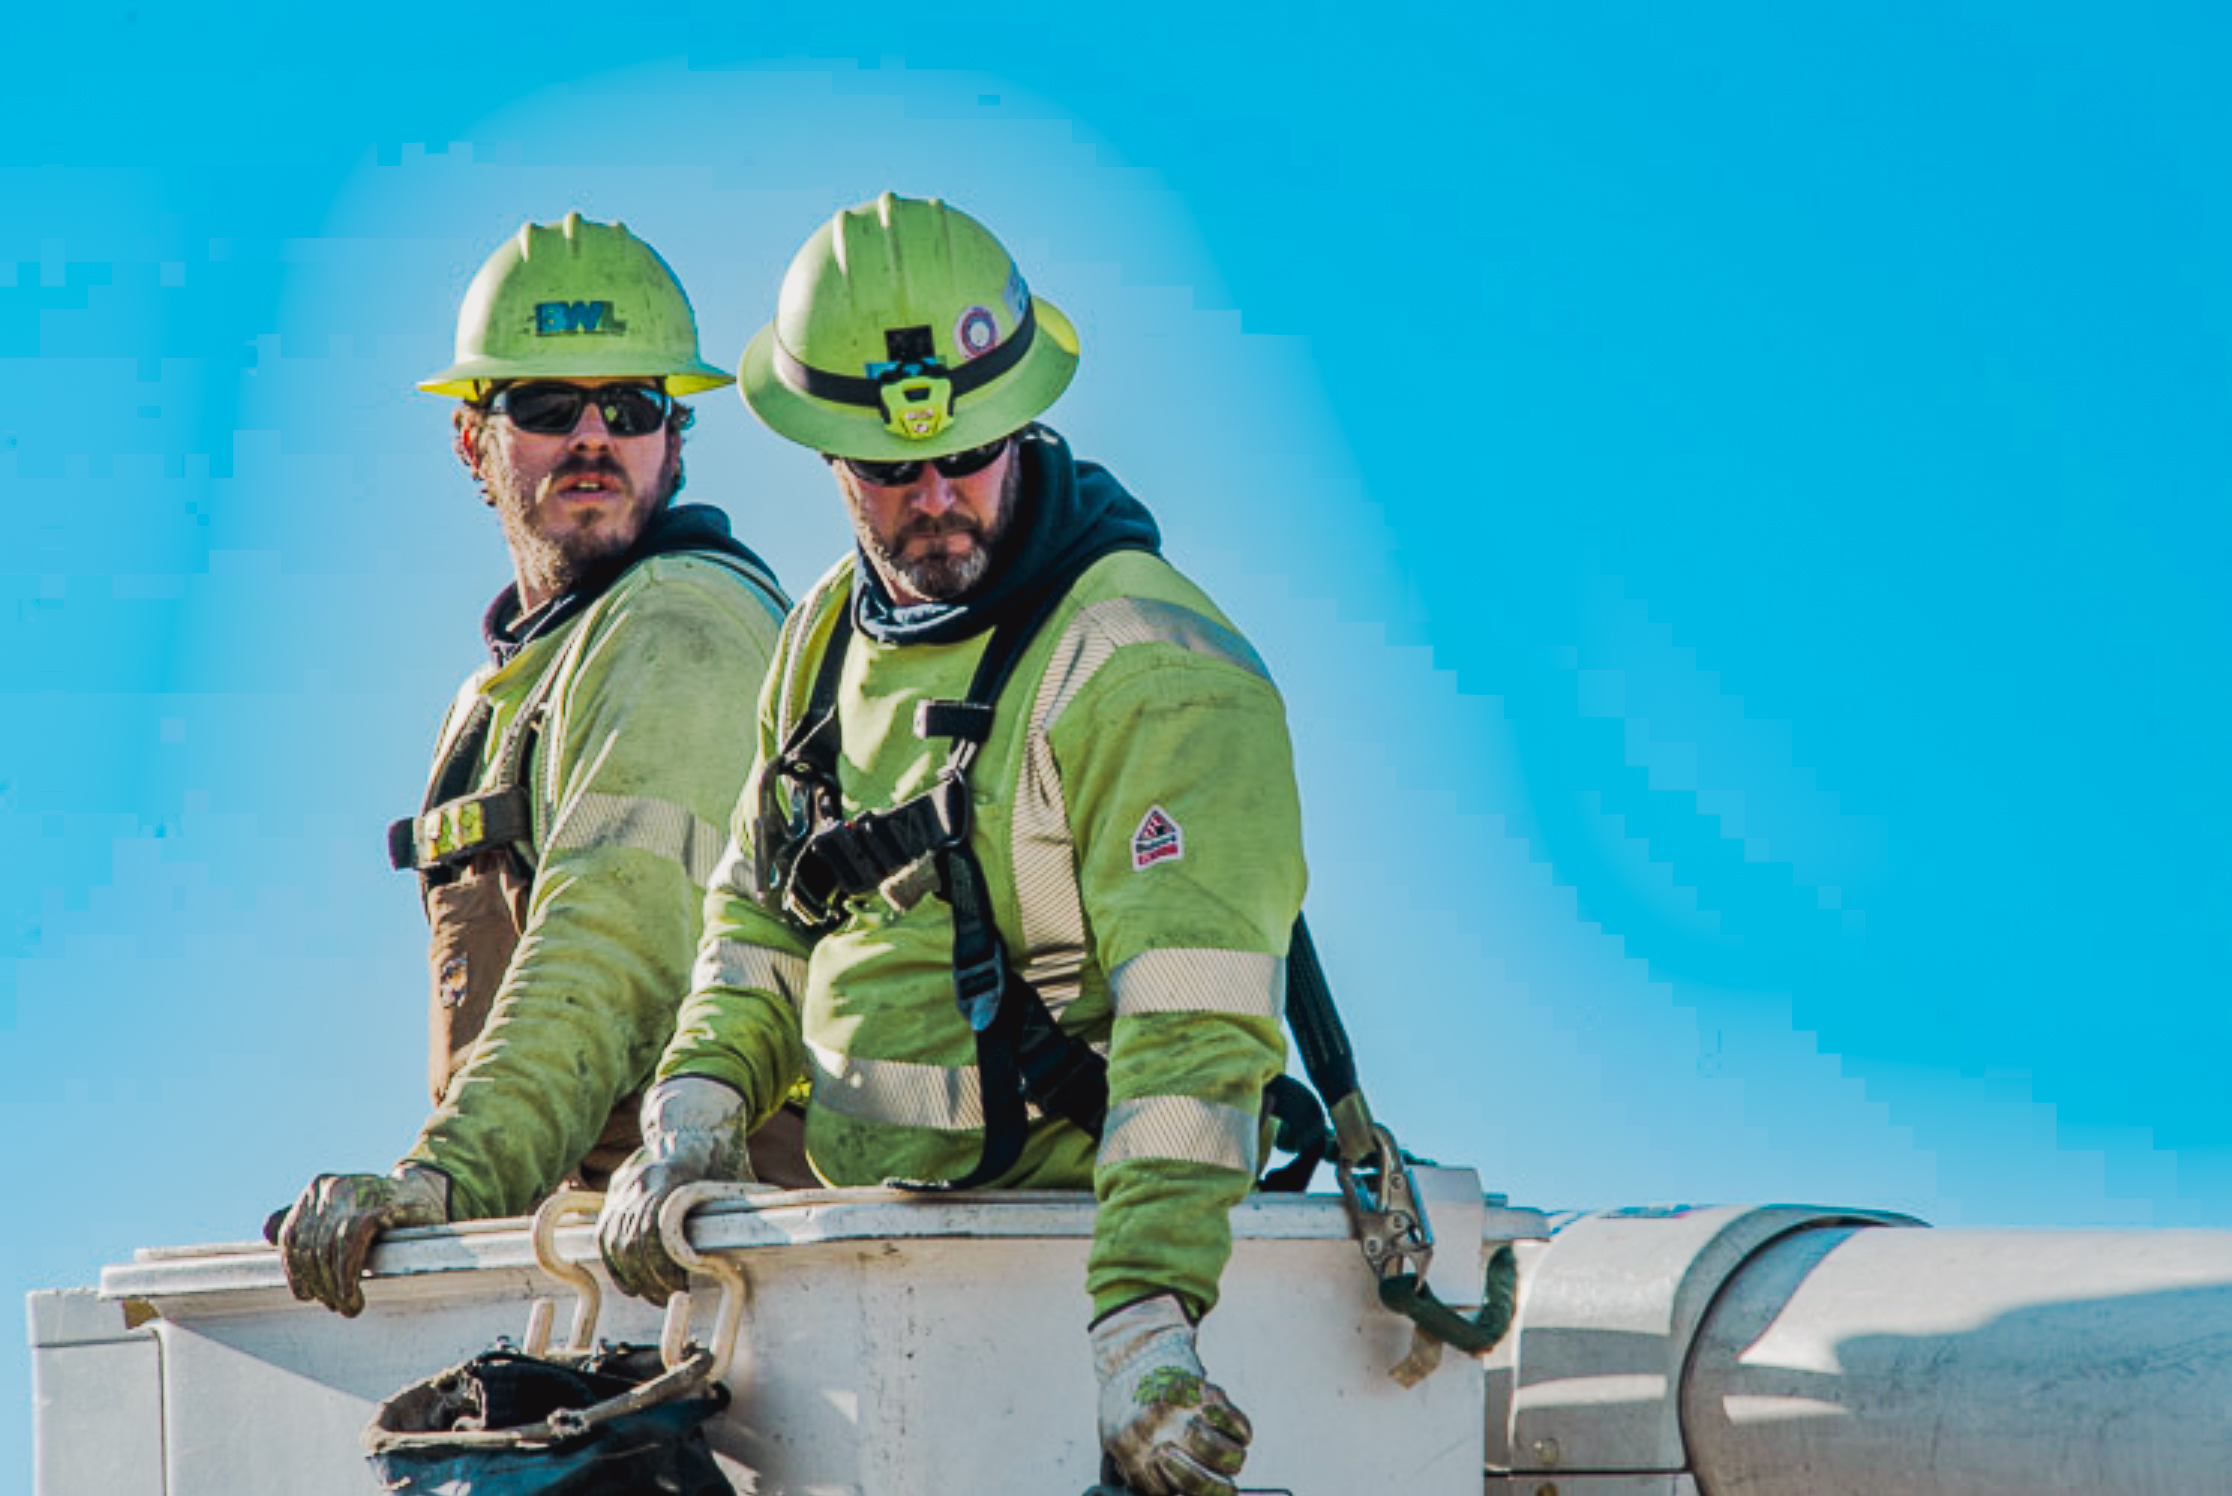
899, 474
550, 409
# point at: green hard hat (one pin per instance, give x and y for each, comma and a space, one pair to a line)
905, 330
575, 300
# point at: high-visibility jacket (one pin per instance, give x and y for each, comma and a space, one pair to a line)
637, 763
1136, 817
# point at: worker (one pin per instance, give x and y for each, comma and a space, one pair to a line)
572, 819
1016, 873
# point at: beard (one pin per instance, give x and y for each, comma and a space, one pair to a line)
550, 561
939, 575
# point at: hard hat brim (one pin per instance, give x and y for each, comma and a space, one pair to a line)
464, 379
1009, 403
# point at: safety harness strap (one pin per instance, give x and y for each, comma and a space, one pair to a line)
1022, 1052
1326, 1056
1023, 1056
1382, 1197
454, 829
454, 826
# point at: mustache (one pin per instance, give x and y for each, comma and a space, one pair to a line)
590, 467
930, 526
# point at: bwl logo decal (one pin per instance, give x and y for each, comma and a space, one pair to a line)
1158, 839
576, 316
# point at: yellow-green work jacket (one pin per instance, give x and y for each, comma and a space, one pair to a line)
637, 765
1136, 817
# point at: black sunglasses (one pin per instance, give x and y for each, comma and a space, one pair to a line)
552, 409
899, 474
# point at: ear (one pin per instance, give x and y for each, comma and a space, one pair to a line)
465, 440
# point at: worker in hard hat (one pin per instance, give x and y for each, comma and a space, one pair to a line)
1017, 870
572, 819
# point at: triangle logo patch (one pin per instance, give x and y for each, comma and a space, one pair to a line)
1158, 839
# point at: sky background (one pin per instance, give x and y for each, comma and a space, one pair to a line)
1735, 501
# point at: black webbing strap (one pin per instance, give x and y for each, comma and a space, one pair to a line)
1326, 1055
454, 825
1301, 1132
964, 378
450, 781
1376, 1184
1022, 1053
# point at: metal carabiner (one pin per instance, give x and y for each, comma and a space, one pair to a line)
1383, 1207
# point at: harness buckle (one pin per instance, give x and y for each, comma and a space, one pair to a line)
810, 907
978, 988
956, 812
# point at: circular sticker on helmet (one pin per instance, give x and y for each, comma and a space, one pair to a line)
977, 332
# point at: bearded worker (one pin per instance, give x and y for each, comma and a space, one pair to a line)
1017, 871
571, 822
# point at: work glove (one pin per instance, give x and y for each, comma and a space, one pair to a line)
693, 1130
325, 1238
1169, 1429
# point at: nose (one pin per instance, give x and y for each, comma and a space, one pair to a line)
590, 430
932, 493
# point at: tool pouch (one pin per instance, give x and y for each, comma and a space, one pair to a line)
508, 1424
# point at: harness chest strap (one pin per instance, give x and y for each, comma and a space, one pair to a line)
1022, 1053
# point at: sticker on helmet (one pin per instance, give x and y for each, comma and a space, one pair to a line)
554, 317
977, 332
1158, 839
1017, 295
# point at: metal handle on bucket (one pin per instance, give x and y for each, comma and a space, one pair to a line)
736, 1289
555, 1211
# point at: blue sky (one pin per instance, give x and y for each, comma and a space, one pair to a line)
1735, 501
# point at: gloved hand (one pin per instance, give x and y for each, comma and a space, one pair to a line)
324, 1240
1168, 1427
693, 1129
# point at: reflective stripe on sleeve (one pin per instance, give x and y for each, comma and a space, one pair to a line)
1240, 983
732, 874
755, 968
1043, 851
659, 827
1098, 632
898, 1093
1181, 1129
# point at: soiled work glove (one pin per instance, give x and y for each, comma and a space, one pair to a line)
324, 1240
693, 1129
1167, 1426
